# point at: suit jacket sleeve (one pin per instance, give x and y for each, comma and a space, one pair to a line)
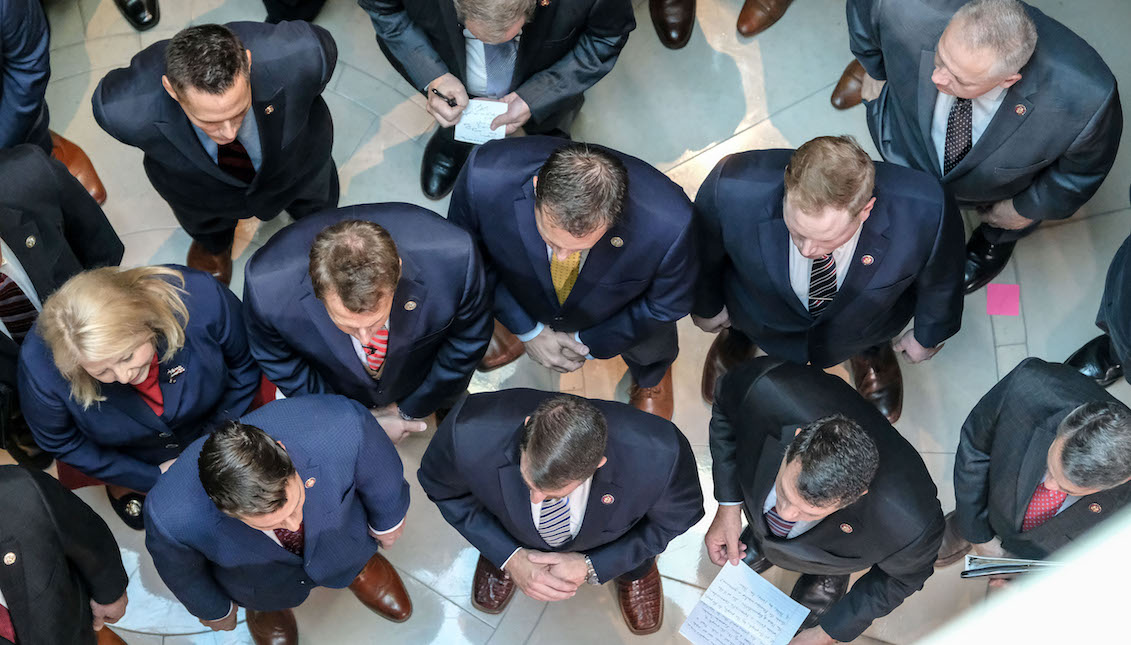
407, 42
938, 307
465, 344
678, 508
596, 51
729, 393
379, 475
186, 572
25, 69
972, 462
667, 300
89, 234
280, 363
328, 48
886, 585
1063, 187
864, 37
713, 259
88, 544
243, 374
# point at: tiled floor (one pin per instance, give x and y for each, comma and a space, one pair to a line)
681, 111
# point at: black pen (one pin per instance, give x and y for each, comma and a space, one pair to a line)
451, 102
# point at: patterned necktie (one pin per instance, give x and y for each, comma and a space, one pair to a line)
499, 61
233, 159
7, 629
779, 526
564, 274
376, 349
959, 134
292, 541
822, 284
553, 523
1042, 507
16, 310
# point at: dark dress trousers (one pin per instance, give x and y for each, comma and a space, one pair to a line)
636, 281
564, 49
64, 557
1048, 147
894, 530
25, 69
439, 326
353, 478
1003, 455
907, 264
291, 64
646, 494
120, 440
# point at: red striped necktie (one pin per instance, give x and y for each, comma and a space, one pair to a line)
779, 526
376, 349
16, 310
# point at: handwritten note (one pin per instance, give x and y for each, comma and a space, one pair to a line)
475, 124
742, 608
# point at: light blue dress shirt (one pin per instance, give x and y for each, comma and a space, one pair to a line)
248, 135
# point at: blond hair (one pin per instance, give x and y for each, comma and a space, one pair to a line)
830, 172
104, 313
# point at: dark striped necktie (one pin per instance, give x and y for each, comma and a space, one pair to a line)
780, 527
822, 284
234, 160
16, 310
959, 133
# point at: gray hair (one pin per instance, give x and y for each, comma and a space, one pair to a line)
838, 460
1096, 451
1001, 26
497, 16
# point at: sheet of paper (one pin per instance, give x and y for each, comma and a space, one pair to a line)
1003, 299
474, 125
742, 608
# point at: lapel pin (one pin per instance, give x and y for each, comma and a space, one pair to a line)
1095, 508
544, 3
1019, 110
310, 482
30, 241
867, 260
617, 242
846, 527
174, 372
269, 109
9, 558
410, 305
607, 499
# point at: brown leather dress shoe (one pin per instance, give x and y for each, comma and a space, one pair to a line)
876, 375
847, 91
953, 546
642, 602
727, 350
491, 588
673, 20
79, 166
759, 15
106, 636
380, 588
219, 265
505, 348
657, 400
272, 627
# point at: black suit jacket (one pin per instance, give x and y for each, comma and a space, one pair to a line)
907, 264
1048, 148
1003, 454
439, 326
646, 494
1114, 315
895, 529
62, 556
565, 48
291, 64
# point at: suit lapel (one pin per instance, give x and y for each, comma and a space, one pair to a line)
14, 585
533, 243
1001, 127
16, 232
534, 34
928, 95
183, 138
173, 387
313, 507
338, 341
1033, 467
773, 237
451, 23
874, 243
405, 319
126, 399
766, 474
598, 512
516, 495
270, 120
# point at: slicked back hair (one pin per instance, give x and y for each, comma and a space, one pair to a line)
564, 441
1096, 451
581, 188
357, 260
244, 471
205, 58
838, 461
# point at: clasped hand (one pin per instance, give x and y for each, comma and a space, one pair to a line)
557, 351
547, 576
395, 425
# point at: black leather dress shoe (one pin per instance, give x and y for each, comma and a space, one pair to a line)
818, 593
753, 558
443, 159
984, 260
1097, 361
142, 14
130, 507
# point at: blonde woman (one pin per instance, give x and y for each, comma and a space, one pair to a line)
126, 367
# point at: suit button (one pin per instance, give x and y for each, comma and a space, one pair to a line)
170, 446
165, 435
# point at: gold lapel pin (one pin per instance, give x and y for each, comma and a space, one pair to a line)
269, 109
1095, 508
410, 305
867, 260
1019, 110
846, 527
174, 372
30, 241
617, 242
9, 558
310, 482
607, 499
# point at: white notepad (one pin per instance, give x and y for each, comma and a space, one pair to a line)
742, 608
474, 124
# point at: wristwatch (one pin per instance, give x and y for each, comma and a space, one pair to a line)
591, 574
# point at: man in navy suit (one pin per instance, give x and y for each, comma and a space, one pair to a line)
820, 255
233, 125
384, 303
590, 252
226, 524
555, 491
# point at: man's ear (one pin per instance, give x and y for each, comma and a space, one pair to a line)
169, 88
797, 432
603, 461
248, 52
1010, 81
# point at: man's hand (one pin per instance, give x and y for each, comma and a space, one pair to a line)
1003, 215
394, 425
870, 89
536, 581
991, 549
108, 613
517, 114
387, 540
547, 348
451, 87
812, 636
225, 624
714, 324
912, 350
567, 567
722, 540
165, 465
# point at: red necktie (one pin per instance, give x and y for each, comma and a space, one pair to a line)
233, 159
1042, 507
779, 526
7, 629
16, 311
292, 540
375, 350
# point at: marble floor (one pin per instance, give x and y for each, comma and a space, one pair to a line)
681, 111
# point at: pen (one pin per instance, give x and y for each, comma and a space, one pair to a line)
451, 102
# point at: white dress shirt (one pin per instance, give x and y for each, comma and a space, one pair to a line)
477, 65
578, 502
801, 267
983, 110
12, 267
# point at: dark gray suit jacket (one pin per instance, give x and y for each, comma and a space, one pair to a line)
1003, 453
1050, 145
1114, 316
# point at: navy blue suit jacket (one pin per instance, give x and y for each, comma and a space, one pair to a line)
435, 342
646, 494
913, 237
120, 440
24, 71
354, 481
636, 278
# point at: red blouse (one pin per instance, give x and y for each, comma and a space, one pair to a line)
149, 389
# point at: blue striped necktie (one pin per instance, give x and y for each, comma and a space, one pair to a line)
780, 527
822, 284
499, 61
553, 522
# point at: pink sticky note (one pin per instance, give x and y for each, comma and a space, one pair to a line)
1003, 299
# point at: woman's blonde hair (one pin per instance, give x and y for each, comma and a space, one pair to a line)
105, 313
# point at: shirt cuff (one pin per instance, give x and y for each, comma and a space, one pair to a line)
232, 607
387, 531
529, 336
730, 503
577, 337
509, 557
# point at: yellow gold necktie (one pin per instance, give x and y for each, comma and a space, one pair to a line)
564, 274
